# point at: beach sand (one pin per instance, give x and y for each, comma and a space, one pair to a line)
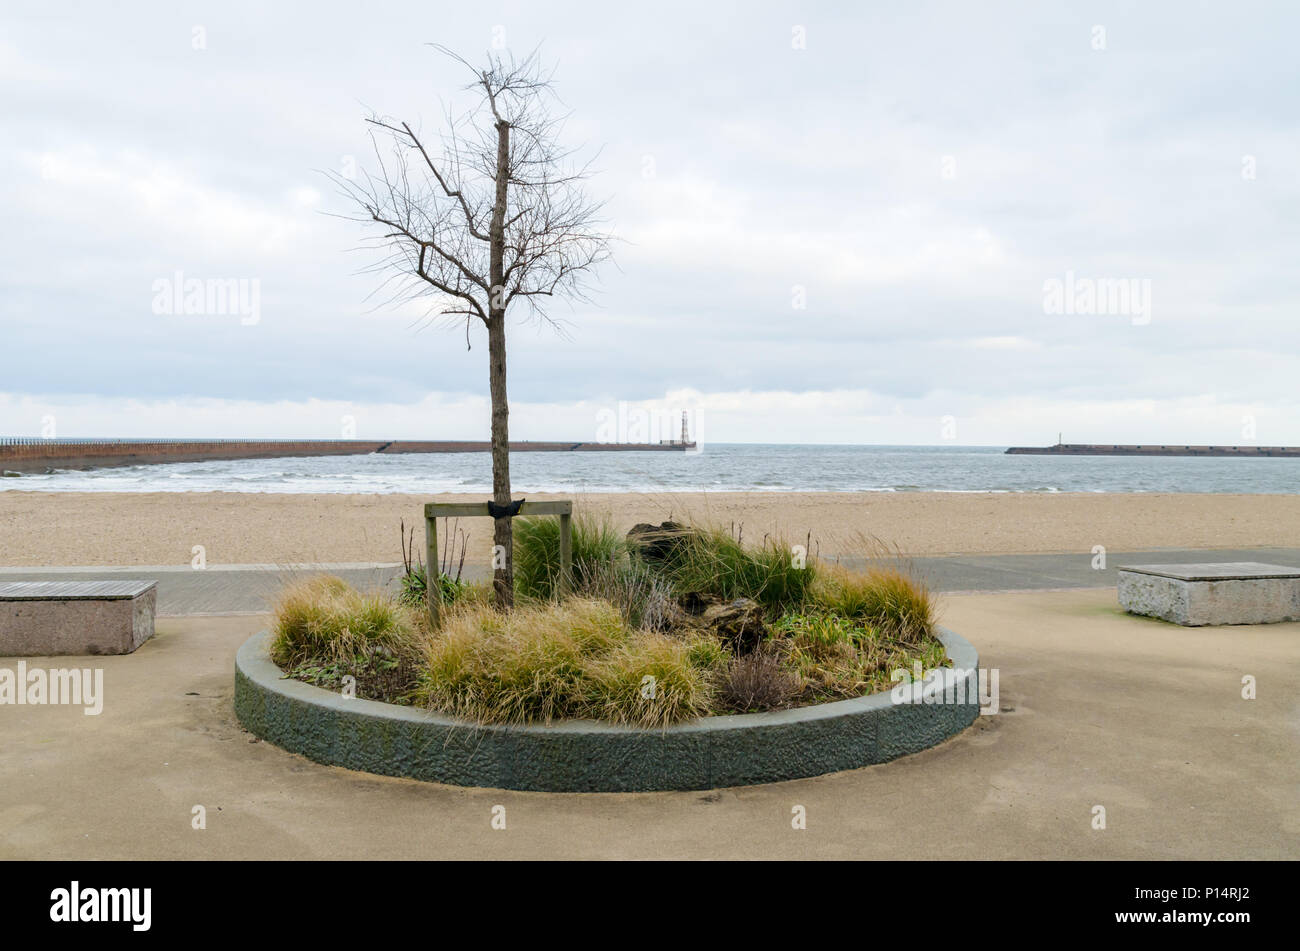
92, 528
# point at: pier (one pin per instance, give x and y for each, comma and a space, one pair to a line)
1098, 449
38, 455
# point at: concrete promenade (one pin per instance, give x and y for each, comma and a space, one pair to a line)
1097, 708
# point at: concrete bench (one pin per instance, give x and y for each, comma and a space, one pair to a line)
1239, 592
39, 618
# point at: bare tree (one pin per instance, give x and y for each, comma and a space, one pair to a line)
493, 214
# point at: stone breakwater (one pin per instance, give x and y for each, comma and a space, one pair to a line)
1099, 449
40, 455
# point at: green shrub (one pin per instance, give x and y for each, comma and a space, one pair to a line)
537, 552
707, 653
325, 614
324, 629
842, 657
883, 598
521, 667
711, 562
414, 583
823, 630
648, 681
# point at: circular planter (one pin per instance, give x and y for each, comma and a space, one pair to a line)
585, 756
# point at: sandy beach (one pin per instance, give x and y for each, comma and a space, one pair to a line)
90, 528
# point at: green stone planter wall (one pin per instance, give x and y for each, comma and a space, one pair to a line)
594, 757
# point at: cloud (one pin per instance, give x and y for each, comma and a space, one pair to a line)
840, 416
911, 178
153, 201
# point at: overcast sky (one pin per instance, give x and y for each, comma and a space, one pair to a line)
915, 174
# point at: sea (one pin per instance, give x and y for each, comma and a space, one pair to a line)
714, 468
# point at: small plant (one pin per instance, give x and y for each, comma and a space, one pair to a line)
415, 577
520, 667
324, 629
707, 653
327, 614
644, 596
596, 543
758, 681
840, 657
649, 681
824, 630
883, 597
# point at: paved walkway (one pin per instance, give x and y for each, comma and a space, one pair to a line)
251, 589
1097, 708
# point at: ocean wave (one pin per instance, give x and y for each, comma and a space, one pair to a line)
719, 469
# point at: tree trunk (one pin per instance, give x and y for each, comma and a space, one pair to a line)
502, 534
503, 574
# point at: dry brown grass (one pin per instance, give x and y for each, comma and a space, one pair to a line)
760, 680
577, 659
325, 630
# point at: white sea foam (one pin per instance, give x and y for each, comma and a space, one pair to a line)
720, 468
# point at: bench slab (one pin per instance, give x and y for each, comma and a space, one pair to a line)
40, 618
1198, 595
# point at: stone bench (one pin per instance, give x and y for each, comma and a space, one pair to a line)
1238, 592
39, 618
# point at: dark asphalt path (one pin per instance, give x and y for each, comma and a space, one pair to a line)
233, 589
250, 589
1041, 572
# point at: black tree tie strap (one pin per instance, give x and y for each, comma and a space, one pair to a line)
504, 511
